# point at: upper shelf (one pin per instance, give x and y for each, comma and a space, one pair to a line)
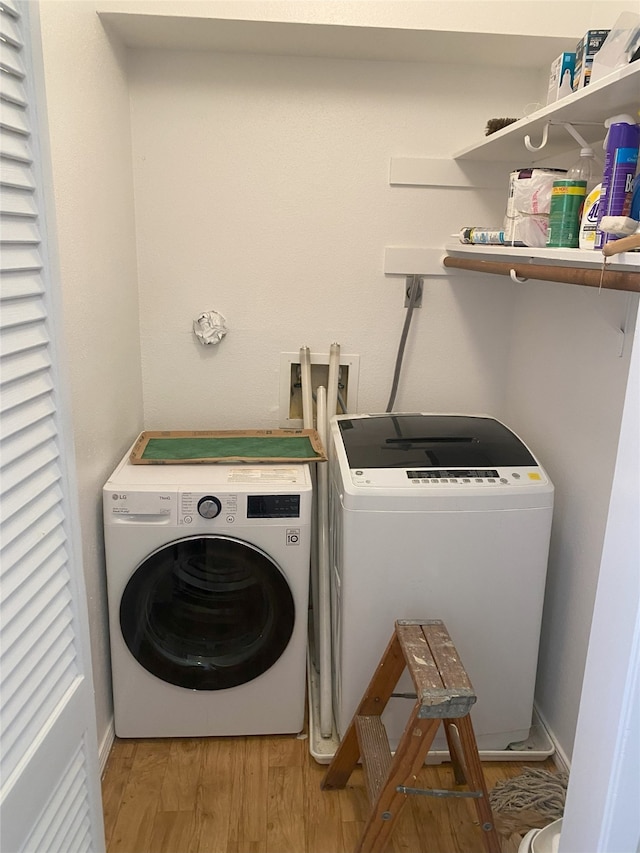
379, 32
619, 92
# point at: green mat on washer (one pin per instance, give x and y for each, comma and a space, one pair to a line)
207, 446
242, 447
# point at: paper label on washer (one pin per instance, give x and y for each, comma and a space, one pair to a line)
263, 475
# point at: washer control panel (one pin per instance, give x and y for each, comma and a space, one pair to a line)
472, 478
479, 476
198, 509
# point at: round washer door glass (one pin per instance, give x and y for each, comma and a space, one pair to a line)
207, 612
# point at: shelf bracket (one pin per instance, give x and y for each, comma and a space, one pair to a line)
568, 126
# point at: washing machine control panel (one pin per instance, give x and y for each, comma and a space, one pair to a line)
198, 509
460, 478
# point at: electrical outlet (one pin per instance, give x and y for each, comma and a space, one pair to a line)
291, 385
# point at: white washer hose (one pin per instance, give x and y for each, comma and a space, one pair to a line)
324, 591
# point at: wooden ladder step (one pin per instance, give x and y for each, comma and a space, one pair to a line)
442, 684
375, 752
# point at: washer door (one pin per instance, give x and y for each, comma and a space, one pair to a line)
207, 612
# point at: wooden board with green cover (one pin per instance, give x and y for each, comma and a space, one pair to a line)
175, 447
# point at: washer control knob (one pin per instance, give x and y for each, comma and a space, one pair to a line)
209, 507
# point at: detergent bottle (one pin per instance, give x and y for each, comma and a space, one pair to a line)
621, 161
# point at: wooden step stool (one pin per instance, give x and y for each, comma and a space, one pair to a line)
443, 694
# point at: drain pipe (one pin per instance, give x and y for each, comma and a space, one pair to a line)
327, 402
324, 593
307, 392
307, 423
332, 384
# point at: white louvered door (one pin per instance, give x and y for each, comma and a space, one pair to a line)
49, 777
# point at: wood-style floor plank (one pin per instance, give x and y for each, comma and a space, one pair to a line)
117, 772
286, 801
182, 775
322, 814
134, 823
262, 795
248, 824
174, 832
214, 796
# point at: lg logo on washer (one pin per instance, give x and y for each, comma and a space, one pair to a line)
293, 536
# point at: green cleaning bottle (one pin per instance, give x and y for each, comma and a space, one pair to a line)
567, 201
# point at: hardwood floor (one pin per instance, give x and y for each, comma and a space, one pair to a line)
262, 795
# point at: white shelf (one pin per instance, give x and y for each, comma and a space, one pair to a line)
588, 258
420, 260
619, 92
407, 33
616, 93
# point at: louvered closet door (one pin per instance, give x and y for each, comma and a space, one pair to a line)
49, 795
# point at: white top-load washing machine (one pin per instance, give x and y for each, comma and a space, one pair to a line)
208, 590
439, 517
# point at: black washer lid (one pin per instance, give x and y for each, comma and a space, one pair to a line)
431, 441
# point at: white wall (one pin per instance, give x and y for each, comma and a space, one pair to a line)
261, 188
88, 111
604, 790
565, 394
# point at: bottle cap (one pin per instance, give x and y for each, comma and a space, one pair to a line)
623, 118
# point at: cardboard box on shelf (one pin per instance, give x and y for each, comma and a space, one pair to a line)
561, 77
586, 49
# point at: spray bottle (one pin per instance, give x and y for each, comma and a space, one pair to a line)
621, 161
589, 170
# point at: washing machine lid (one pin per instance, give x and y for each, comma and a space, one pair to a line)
425, 442
399, 460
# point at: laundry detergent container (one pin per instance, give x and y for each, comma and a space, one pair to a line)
545, 840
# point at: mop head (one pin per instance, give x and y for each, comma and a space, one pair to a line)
529, 801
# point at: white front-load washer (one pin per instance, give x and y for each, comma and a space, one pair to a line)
439, 517
208, 587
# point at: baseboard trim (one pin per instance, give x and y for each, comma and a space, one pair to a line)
560, 757
105, 746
